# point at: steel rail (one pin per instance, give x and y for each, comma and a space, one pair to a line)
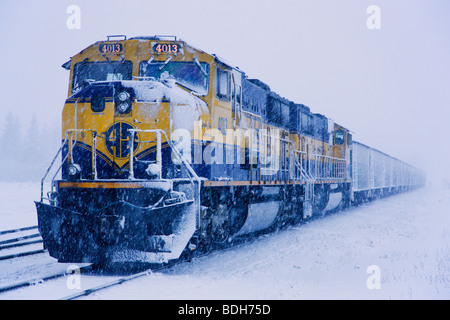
10, 243
18, 230
37, 280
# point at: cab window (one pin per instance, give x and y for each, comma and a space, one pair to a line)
223, 84
339, 137
191, 75
100, 71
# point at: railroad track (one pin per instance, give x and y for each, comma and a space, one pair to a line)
157, 268
104, 278
27, 241
90, 271
38, 280
20, 242
109, 284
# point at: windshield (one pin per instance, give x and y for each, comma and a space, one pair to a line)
100, 71
192, 75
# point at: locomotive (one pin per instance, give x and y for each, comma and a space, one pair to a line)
166, 148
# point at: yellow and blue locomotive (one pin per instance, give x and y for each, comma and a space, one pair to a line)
166, 148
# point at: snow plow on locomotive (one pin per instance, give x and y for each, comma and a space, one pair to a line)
166, 148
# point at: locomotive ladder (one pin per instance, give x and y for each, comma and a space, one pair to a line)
299, 173
309, 184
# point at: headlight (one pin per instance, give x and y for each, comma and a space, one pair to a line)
123, 102
123, 107
153, 169
123, 96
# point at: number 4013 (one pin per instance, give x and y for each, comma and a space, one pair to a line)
166, 48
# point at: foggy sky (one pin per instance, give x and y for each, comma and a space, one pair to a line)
389, 86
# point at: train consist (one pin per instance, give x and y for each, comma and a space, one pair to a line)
166, 148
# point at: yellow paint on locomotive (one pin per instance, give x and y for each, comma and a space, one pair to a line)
340, 145
221, 116
137, 51
142, 115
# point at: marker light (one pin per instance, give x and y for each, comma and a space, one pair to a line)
74, 169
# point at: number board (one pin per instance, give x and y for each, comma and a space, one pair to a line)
167, 48
111, 48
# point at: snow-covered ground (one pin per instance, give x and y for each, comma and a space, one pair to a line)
394, 248
17, 208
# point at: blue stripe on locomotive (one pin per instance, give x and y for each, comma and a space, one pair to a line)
106, 169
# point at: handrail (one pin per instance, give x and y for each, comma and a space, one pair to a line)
329, 167
158, 151
94, 157
49, 168
326, 167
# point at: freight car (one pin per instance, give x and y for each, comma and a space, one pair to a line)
166, 148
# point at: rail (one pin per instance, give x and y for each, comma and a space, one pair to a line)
19, 242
